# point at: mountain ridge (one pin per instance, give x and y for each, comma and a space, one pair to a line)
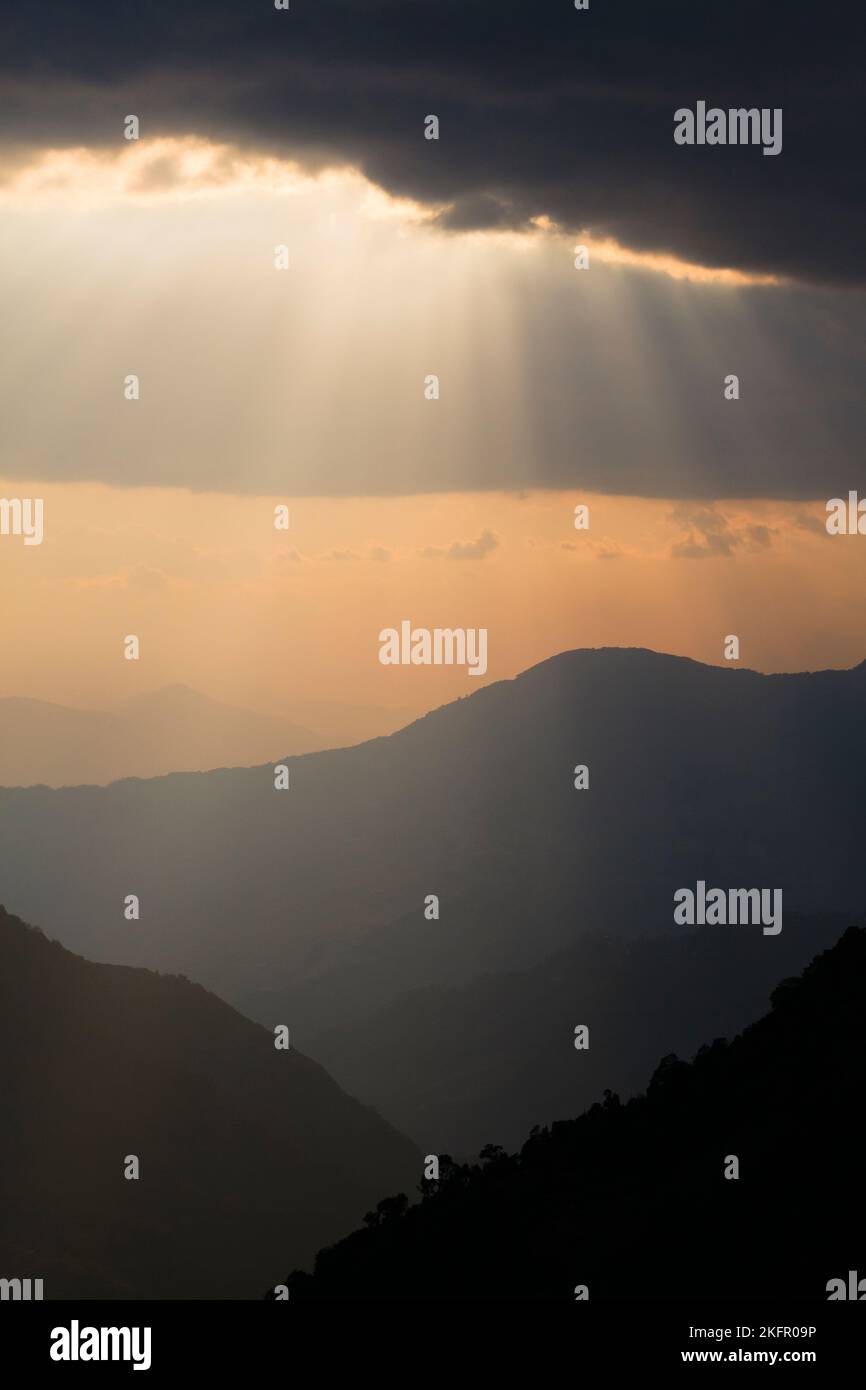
173, 728
456, 1067
696, 772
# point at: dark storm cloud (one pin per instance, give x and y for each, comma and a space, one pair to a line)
544, 110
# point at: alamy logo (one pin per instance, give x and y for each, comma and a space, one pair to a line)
75, 1343
22, 516
855, 1288
23, 1290
441, 646
729, 907
736, 126
846, 518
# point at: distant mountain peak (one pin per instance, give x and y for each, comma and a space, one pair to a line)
175, 692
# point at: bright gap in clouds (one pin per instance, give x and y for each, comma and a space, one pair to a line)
180, 168
158, 260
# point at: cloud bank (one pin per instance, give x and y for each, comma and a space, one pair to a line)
544, 111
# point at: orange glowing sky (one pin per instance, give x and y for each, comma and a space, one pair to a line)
115, 252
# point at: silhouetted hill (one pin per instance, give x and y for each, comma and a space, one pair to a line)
168, 730
456, 1068
631, 1200
243, 1149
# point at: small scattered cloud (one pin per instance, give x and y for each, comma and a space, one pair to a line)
290, 555
605, 549
710, 535
146, 579
478, 549
804, 522
377, 554
608, 550
760, 536
341, 556
138, 578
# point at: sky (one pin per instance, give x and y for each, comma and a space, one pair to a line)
411, 259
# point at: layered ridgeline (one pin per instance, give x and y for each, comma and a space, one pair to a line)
737, 1176
458, 1067
308, 904
696, 773
168, 730
243, 1149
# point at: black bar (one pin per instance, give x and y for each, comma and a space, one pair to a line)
220, 1339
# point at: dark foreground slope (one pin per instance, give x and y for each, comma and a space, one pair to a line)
631, 1200
243, 1149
